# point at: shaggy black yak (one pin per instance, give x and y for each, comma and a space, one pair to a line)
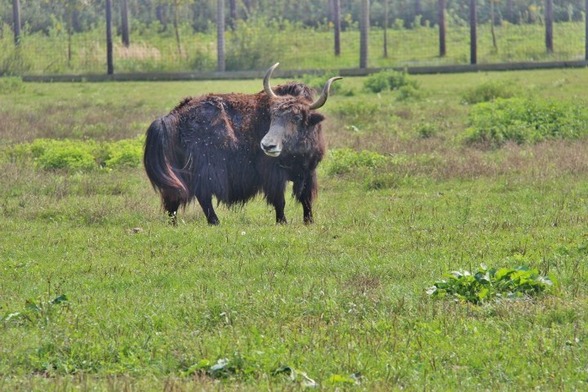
234, 146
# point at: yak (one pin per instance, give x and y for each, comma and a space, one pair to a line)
235, 146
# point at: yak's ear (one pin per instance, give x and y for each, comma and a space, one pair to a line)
315, 118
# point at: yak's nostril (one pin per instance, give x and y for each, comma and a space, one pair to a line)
268, 147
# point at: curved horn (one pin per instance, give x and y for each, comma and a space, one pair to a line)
324, 95
266, 82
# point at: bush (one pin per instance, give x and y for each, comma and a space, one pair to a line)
489, 91
344, 160
525, 120
125, 153
253, 45
78, 155
389, 80
488, 284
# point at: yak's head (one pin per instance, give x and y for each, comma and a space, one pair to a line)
291, 116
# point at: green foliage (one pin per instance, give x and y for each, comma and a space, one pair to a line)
390, 80
488, 284
525, 120
37, 312
489, 91
11, 84
77, 155
254, 45
344, 160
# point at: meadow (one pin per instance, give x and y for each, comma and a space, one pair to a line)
99, 292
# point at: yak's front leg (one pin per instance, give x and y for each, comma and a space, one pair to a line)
205, 202
305, 189
274, 194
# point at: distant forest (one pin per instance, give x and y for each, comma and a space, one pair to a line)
85, 15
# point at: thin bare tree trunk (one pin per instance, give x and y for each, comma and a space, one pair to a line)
385, 29
586, 27
124, 16
220, 35
364, 33
337, 25
549, 25
109, 60
473, 33
177, 27
494, 44
16, 21
442, 28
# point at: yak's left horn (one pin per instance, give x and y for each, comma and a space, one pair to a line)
324, 95
266, 82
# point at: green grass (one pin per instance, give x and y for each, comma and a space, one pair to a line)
250, 305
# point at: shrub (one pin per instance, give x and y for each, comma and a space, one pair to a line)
389, 80
489, 91
125, 153
489, 284
525, 120
344, 160
253, 45
78, 155
11, 84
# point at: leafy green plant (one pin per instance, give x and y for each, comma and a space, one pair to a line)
345, 160
389, 80
488, 284
36, 312
489, 91
78, 155
525, 120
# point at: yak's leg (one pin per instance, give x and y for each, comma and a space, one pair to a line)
206, 204
279, 206
305, 191
171, 205
278, 201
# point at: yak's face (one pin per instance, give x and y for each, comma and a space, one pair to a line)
292, 119
292, 123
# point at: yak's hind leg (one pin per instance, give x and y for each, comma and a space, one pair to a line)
171, 202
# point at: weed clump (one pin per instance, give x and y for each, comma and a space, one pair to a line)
78, 155
489, 91
488, 284
345, 160
525, 120
390, 80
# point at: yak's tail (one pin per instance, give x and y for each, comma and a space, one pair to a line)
163, 160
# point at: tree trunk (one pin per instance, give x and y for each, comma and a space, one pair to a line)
385, 29
124, 22
473, 33
177, 27
586, 27
233, 14
220, 35
494, 44
363, 34
109, 61
337, 25
16, 21
549, 25
442, 28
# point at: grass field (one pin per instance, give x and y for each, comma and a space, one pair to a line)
98, 292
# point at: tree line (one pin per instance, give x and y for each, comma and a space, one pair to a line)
83, 15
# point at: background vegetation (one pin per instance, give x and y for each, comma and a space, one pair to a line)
68, 36
98, 292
